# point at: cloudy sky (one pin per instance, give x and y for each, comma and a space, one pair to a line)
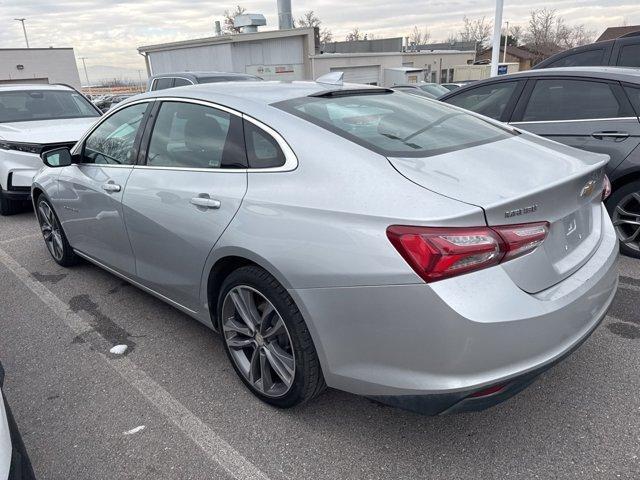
107, 32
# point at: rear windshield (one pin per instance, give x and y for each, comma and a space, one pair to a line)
27, 105
396, 124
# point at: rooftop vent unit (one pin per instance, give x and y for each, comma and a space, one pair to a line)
217, 29
249, 22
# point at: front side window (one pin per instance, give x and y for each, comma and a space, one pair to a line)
634, 96
113, 142
263, 150
189, 135
489, 100
571, 100
396, 125
30, 105
589, 58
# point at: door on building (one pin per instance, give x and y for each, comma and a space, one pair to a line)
368, 75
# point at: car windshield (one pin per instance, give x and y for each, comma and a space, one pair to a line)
434, 89
395, 124
28, 105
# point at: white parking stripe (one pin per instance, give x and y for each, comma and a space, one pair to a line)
215, 447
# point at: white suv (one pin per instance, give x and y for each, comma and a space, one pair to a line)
34, 118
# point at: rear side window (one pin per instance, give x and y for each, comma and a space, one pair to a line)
395, 124
188, 135
589, 58
263, 150
634, 96
162, 83
489, 100
629, 56
181, 82
571, 100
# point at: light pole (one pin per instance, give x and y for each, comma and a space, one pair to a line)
497, 28
24, 29
86, 75
506, 38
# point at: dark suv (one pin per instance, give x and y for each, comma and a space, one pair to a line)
620, 52
170, 80
592, 108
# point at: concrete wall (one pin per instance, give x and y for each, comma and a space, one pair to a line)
437, 61
463, 73
53, 65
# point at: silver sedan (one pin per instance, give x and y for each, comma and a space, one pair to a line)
345, 236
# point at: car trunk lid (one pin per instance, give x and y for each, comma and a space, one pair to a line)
521, 180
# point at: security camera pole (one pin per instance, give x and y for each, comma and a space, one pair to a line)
24, 29
497, 28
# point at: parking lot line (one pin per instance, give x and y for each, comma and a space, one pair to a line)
215, 447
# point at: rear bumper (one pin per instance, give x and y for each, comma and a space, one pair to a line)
428, 347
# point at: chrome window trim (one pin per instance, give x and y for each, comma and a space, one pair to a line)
291, 160
522, 122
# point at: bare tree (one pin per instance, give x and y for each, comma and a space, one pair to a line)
354, 35
515, 33
228, 19
309, 19
478, 30
548, 32
419, 37
326, 36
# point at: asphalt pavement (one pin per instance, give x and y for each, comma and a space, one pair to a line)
172, 407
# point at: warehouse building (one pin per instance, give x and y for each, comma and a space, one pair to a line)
39, 65
295, 54
272, 55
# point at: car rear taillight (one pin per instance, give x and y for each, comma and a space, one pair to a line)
606, 188
436, 253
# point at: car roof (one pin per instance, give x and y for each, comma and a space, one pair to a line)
258, 92
20, 87
202, 74
611, 73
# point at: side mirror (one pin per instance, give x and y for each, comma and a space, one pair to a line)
59, 157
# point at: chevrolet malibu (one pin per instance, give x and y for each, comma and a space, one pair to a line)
345, 236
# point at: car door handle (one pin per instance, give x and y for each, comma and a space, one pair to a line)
111, 187
205, 202
602, 135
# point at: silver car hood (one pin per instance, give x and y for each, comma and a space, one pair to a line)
46, 131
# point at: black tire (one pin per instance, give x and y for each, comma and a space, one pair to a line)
619, 197
7, 206
64, 256
308, 381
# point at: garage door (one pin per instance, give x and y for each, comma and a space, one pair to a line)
369, 75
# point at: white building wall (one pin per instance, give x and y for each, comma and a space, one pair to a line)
277, 58
53, 65
328, 62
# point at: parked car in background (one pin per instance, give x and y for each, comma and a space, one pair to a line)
14, 461
344, 235
429, 90
181, 79
34, 118
452, 86
621, 52
591, 108
106, 102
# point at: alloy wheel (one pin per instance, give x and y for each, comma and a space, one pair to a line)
626, 220
258, 341
51, 232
